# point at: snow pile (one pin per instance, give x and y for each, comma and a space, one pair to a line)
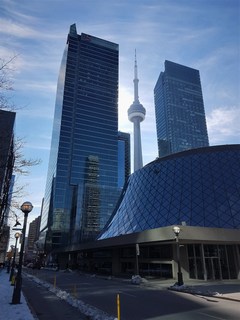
193, 290
136, 279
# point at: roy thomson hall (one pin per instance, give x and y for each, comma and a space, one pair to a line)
198, 190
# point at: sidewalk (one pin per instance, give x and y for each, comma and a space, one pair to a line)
12, 311
226, 289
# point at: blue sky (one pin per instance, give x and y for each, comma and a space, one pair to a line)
200, 34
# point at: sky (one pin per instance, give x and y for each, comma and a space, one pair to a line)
201, 34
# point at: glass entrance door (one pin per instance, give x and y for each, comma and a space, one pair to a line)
213, 268
212, 262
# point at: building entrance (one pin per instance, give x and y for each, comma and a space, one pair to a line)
212, 262
213, 268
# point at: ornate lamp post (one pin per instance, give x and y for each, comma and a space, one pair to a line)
17, 235
26, 207
177, 230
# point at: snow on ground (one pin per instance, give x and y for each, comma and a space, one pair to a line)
22, 311
10, 311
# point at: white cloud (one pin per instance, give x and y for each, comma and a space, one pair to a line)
11, 28
223, 125
45, 87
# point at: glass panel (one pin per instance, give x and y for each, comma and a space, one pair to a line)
161, 270
199, 264
231, 262
210, 251
190, 250
197, 250
127, 267
144, 252
216, 269
162, 252
213, 269
192, 268
128, 252
209, 269
224, 262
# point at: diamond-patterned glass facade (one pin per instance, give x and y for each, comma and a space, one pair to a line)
200, 187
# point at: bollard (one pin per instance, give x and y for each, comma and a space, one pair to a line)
75, 291
118, 306
13, 280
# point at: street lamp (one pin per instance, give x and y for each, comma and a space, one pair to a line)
17, 235
26, 207
177, 230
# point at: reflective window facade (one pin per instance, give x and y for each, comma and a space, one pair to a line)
198, 187
124, 165
218, 261
179, 108
7, 122
82, 183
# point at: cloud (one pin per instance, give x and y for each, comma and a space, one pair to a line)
45, 87
8, 27
223, 125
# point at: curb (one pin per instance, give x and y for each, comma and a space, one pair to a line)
206, 294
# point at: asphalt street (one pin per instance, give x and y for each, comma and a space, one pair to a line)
151, 301
46, 305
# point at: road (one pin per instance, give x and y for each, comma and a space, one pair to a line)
46, 305
139, 302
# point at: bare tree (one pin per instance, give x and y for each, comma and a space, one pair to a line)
6, 84
18, 164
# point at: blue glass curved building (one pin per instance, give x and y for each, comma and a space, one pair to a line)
199, 191
198, 187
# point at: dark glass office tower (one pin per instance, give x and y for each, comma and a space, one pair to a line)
7, 122
82, 183
124, 165
180, 115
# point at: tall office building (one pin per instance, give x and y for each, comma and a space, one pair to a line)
136, 114
82, 182
33, 234
7, 121
124, 165
180, 115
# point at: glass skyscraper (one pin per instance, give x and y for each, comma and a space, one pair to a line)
124, 166
7, 123
82, 182
179, 107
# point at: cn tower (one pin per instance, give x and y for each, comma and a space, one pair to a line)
136, 114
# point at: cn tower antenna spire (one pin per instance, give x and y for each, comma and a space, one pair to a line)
136, 114
135, 80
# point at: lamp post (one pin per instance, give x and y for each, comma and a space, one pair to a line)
137, 263
177, 230
26, 207
17, 235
